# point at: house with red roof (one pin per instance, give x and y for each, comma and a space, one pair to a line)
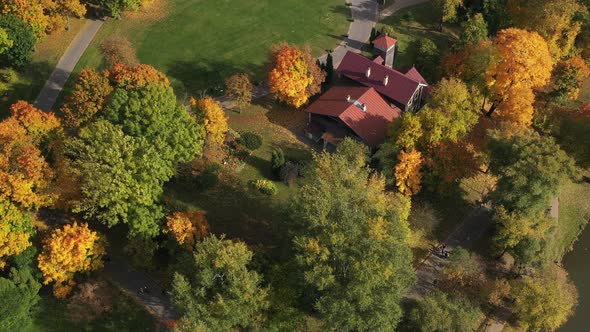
358, 112
406, 90
384, 47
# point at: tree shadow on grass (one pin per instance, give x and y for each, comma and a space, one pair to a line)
234, 209
30, 82
203, 77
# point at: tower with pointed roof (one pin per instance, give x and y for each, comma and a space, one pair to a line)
384, 46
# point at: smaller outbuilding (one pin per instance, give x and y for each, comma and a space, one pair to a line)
359, 112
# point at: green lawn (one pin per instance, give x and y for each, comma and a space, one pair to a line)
31, 79
574, 215
126, 316
199, 42
412, 24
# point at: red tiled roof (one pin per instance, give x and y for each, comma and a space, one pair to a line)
379, 60
400, 87
384, 42
414, 74
371, 126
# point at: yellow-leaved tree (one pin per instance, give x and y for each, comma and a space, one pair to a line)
15, 230
187, 227
214, 118
523, 65
294, 76
407, 172
71, 249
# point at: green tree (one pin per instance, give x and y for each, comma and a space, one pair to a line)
115, 7
441, 312
447, 10
427, 58
5, 42
530, 169
330, 68
121, 178
544, 302
19, 294
464, 268
496, 15
219, 292
475, 29
23, 42
152, 112
351, 242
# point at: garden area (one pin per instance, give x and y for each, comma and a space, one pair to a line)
198, 43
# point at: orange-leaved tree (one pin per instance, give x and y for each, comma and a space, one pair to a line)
25, 176
90, 93
30, 12
213, 117
130, 77
187, 227
407, 172
523, 63
294, 75
71, 249
37, 123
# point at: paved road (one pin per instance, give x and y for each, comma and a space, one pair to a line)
66, 65
156, 300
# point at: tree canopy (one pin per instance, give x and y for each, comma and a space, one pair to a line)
442, 312
219, 292
351, 242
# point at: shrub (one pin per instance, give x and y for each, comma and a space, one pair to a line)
118, 50
289, 173
277, 159
8, 75
239, 89
265, 186
251, 141
209, 177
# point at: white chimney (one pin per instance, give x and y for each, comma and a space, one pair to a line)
364, 107
368, 74
348, 98
386, 80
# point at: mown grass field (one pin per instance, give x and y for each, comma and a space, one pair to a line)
197, 43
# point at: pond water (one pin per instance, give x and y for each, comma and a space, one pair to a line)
577, 263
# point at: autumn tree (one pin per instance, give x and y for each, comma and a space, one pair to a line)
524, 64
118, 50
475, 29
568, 77
20, 52
239, 89
443, 312
464, 269
544, 302
90, 93
553, 20
213, 117
16, 228
447, 10
219, 293
67, 251
40, 126
31, 12
60, 11
187, 227
93, 298
350, 237
115, 7
294, 76
25, 176
407, 172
